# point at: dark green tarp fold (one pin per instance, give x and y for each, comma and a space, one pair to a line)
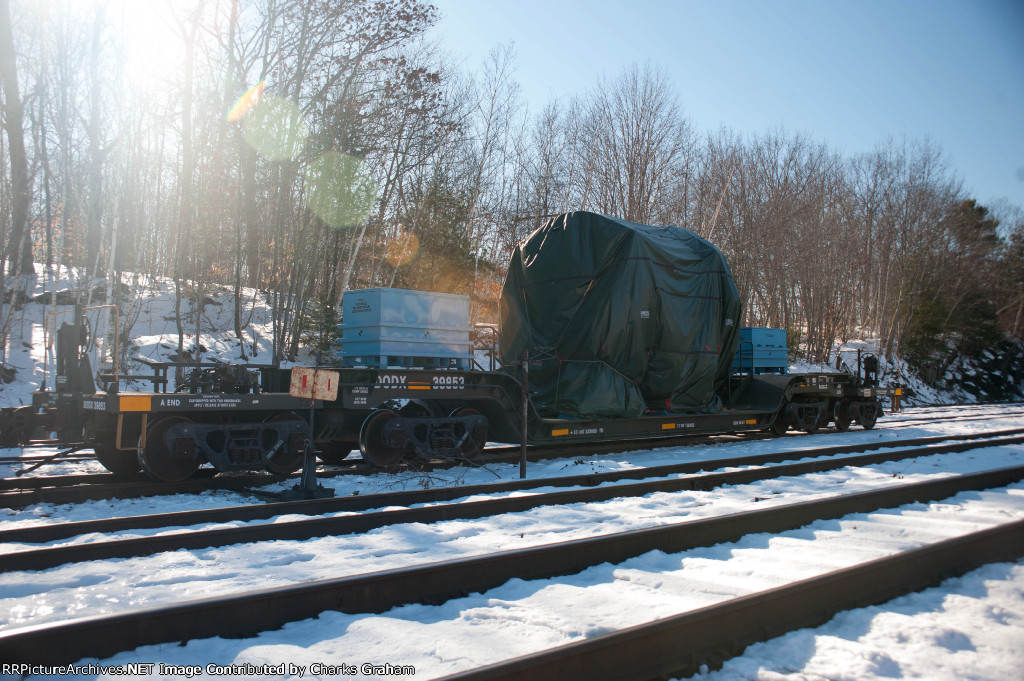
619, 317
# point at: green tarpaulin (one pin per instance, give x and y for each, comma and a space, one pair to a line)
619, 317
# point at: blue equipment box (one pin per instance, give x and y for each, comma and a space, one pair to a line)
761, 351
388, 327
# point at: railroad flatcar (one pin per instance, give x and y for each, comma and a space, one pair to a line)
608, 330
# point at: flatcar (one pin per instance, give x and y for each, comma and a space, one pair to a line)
608, 330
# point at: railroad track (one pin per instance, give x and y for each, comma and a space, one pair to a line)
71, 489
687, 643
898, 422
76, 456
498, 453
964, 407
17, 493
298, 530
780, 609
20, 492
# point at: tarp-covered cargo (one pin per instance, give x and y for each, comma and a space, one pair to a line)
619, 317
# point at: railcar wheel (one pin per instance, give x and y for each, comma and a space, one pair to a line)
288, 458
170, 464
117, 461
473, 445
866, 421
824, 418
781, 424
334, 451
371, 440
841, 415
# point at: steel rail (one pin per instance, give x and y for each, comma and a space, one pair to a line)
246, 614
21, 492
681, 645
64, 489
35, 458
72, 479
126, 481
101, 486
80, 489
298, 530
68, 489
965, 407
901, 423
45, 533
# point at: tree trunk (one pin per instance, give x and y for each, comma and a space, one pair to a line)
19, 244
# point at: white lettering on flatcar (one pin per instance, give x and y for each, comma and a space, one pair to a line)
214, 402
449, 382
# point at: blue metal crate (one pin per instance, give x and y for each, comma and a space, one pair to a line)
387, 327
761, 351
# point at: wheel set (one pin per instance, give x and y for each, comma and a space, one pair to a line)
164, 458
168, 448
844, 413
387, 437
171, 448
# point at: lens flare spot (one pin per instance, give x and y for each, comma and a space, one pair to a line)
452, 279
402, 249
275, 128
244, 104
341, 190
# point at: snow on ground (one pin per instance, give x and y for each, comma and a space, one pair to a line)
521, 617
85, 589
150, 318
968, 628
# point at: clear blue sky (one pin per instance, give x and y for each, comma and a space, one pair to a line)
849, 73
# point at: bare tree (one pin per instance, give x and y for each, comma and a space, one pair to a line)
635, 139
18, 247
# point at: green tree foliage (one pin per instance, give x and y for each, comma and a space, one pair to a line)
957, 313
320, 320
1011, 280
442, 260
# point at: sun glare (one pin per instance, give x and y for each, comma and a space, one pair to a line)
154, 47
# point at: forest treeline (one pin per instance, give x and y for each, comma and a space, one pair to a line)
307, 147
